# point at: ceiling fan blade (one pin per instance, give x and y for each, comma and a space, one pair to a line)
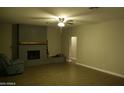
41, 18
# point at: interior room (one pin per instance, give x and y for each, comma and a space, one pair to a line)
62, 46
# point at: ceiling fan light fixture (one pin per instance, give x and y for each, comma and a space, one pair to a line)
61, 24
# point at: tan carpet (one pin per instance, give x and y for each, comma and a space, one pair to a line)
63, 74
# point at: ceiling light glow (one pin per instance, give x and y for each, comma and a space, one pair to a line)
61, 24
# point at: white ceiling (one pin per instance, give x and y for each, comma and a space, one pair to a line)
47, 15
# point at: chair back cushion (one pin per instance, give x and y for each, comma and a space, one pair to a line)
5, 60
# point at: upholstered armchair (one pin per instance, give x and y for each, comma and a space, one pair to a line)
10, 67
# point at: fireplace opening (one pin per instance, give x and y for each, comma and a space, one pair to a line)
33, 54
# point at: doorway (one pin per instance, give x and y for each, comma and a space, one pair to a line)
73, 49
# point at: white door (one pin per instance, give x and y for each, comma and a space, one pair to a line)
73, 49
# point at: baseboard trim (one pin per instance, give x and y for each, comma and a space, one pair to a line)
98, 69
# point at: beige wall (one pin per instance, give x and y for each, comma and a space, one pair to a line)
6, 39
54, 41
99, 45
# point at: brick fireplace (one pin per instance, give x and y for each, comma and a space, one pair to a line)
32, 44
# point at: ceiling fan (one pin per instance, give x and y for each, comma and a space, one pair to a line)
60, 21
63, 21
